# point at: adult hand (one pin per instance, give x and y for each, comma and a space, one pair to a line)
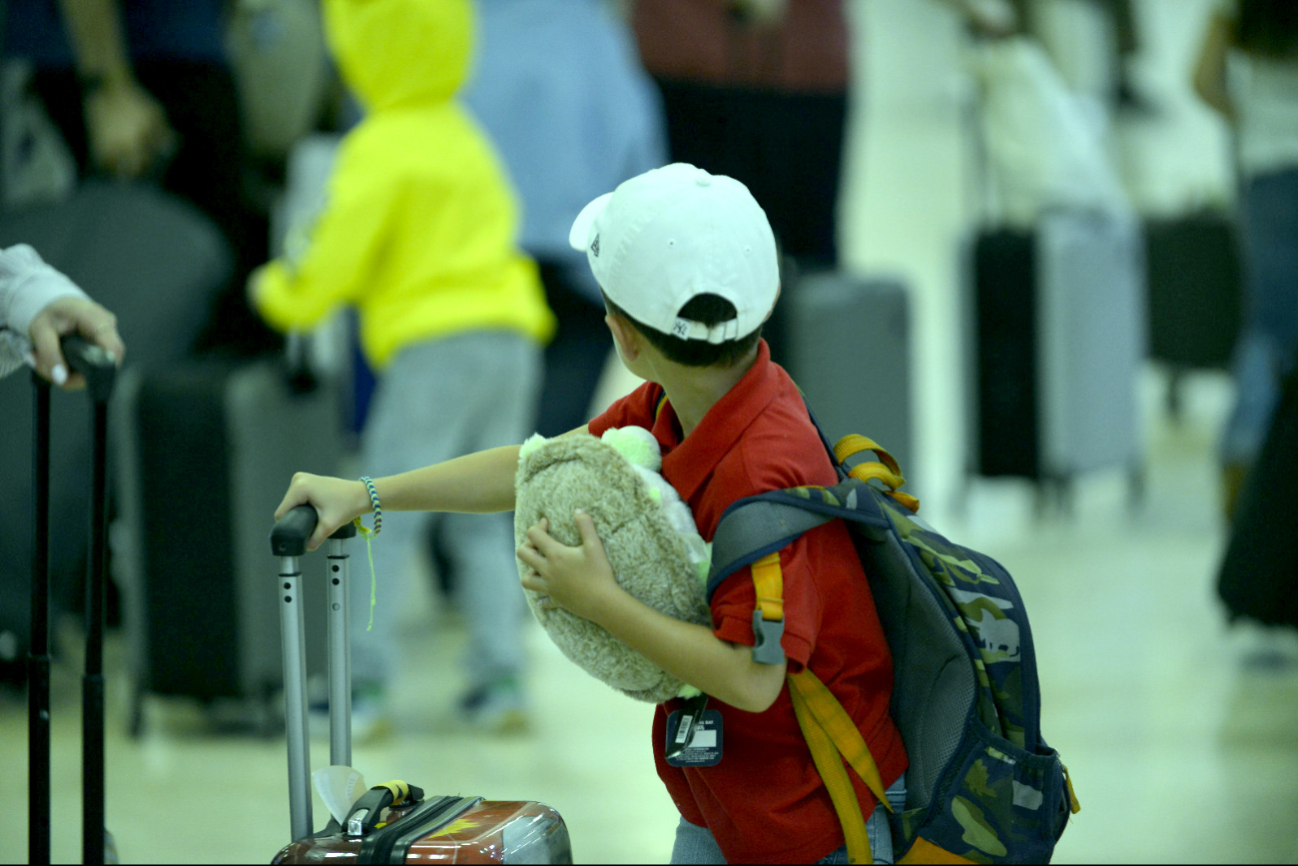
67, 315
127, 128
337, 501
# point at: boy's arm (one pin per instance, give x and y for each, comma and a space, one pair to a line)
580, 580
478, 483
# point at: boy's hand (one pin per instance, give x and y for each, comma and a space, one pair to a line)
578, 579
336, 501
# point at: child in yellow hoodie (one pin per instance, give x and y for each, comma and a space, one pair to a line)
418, 233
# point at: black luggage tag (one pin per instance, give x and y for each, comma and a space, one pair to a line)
694, 736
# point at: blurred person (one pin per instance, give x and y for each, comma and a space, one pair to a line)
757, 90
38, 305
1113, 73
418, 234
559, 87
143, 89
1248, 71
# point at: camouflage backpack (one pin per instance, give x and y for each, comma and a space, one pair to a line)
982, 785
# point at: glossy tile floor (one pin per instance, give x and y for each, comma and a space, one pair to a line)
1181, 735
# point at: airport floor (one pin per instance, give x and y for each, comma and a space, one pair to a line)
1181, 734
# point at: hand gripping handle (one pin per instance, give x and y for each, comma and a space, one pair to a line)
92, 362
291, 531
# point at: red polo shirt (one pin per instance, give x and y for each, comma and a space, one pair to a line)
764, 802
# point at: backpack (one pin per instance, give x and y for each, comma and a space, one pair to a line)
982, 785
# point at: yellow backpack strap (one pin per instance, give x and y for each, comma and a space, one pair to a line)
841, 730
768, 581
768, 614
826, 726
834, 775
886, 469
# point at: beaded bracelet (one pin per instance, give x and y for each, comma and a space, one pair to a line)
369, 535
378, 510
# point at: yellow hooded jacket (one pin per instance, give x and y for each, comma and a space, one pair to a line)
420, 225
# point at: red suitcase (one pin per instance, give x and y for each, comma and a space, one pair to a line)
392, 823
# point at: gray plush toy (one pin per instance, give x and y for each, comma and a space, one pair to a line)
647, 531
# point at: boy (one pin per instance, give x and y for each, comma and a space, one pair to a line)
688, 267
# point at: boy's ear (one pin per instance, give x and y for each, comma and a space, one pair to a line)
626, 336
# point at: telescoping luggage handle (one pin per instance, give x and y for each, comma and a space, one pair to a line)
99, 369
288, 542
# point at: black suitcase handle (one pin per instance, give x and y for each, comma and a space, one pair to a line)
291, 531
94, 363
99, 369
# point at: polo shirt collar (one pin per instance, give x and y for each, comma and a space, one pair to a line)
690, 463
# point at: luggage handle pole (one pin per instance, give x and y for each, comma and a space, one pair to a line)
99, 369
340, 665
292, 631
38, 652
288, 542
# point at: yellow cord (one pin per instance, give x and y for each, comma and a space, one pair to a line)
368, 534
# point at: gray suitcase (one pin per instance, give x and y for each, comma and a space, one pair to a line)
1057, 317
848, 347
206, 450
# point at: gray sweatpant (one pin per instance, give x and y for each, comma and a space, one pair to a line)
438, 400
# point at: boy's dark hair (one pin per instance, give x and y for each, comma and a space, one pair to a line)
708, 310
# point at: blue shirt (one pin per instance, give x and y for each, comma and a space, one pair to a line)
153, 29
559, 87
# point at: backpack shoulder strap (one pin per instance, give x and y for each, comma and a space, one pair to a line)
756, 526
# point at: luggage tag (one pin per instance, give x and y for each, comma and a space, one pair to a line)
694, 735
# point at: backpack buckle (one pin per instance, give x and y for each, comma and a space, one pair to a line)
767, 633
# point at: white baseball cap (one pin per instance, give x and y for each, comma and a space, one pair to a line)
676, 232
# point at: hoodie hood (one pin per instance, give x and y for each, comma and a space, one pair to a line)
400, 52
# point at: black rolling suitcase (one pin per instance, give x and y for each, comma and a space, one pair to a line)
237, 431
1196, 293
1258, 578
393, 822
99, 371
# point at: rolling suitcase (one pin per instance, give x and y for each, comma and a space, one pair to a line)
1196, 293
394, 822
99, 371
1059, 336
848, 348
1195, 289
245, 427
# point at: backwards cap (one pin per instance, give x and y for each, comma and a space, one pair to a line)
666, 236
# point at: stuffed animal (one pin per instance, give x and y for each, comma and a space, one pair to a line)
647, 531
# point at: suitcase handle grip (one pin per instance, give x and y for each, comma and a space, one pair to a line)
291, 531
92, 362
